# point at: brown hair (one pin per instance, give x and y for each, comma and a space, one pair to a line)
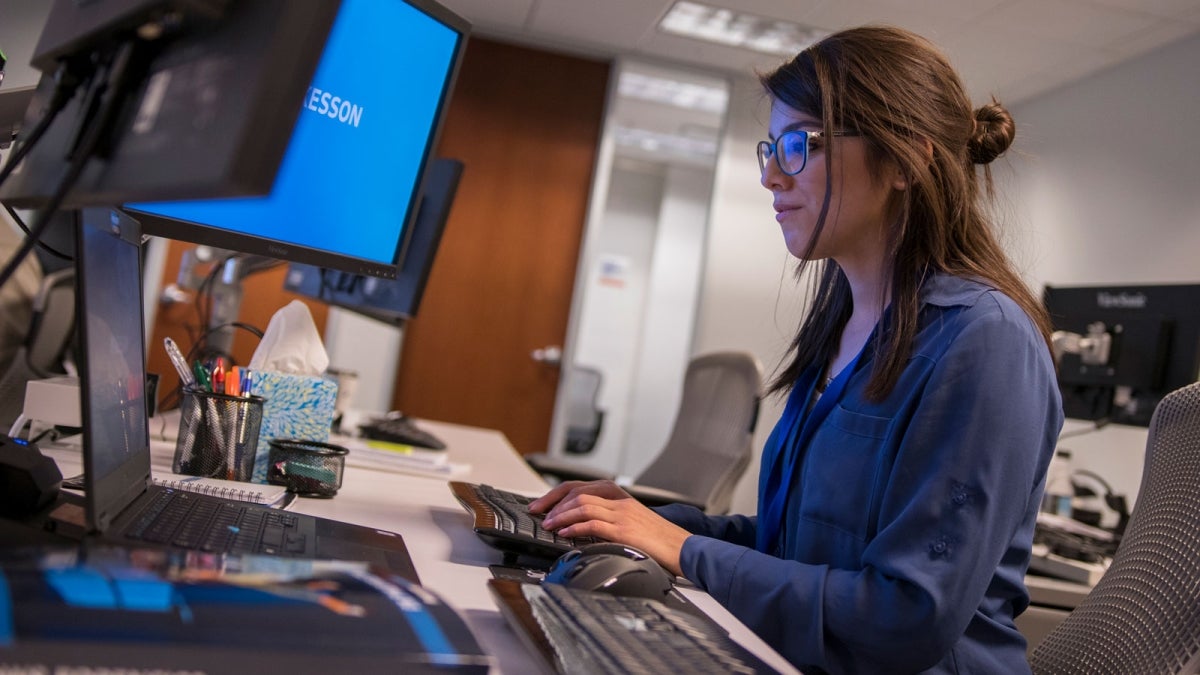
902, 95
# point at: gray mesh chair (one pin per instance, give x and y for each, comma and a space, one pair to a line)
1144, 614
47, 342
710, 444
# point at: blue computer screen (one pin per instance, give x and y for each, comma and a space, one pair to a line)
349, 178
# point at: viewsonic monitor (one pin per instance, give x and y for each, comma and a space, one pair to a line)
1147, 344
392, 301
346, 190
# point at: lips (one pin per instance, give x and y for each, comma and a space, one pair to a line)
783, 210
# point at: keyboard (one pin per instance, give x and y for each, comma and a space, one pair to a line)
201, 523
503, 521
400, 429
577, 631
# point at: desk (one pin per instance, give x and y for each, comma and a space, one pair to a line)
451, 560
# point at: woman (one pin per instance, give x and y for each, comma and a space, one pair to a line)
898, 492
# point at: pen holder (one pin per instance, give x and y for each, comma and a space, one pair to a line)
218, 435
308, 468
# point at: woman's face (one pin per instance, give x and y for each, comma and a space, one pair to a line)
855, 227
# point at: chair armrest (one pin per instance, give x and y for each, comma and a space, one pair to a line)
564, 469
652, 496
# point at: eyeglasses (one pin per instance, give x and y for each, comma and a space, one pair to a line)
791, 149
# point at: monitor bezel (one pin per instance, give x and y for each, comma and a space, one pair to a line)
210, 235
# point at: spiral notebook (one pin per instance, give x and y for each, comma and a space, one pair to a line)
267, 495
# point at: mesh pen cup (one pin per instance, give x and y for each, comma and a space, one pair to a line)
218, 435
308, 468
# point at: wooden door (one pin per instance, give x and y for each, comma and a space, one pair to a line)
527, 126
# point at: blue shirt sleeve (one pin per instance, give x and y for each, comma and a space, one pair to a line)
935, 574
736, 529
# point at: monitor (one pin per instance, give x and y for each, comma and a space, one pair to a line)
392, 301
184, 99
346, 190
1120, 349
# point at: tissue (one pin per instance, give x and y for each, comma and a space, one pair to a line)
287, 368
291, 343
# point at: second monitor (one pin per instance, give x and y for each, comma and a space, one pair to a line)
391, 301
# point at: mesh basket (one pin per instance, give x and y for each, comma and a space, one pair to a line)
218, 435
308, 468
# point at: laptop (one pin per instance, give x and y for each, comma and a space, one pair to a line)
119, 494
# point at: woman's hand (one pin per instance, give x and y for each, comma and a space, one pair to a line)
602, 509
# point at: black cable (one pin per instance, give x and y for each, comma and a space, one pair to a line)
45, 247
64, 91
95, 134
1100, 424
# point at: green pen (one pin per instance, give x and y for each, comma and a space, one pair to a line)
203, 381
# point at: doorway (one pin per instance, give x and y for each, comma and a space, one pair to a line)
639, 280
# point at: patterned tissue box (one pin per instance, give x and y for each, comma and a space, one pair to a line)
297, 406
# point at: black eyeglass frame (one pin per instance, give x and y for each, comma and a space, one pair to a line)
772, 147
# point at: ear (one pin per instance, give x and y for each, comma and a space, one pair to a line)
899, 179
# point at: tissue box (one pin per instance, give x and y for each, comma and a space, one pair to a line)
297, 406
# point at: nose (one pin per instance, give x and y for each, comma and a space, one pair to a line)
773, 177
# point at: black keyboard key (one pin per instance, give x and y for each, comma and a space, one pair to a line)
502, 519
602, 633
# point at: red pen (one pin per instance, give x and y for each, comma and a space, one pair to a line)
218, 376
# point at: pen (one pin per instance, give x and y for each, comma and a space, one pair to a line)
233, 382
218, 377
185, 374
202, 381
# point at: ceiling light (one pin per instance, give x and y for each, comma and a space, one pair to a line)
737, 29
687, 95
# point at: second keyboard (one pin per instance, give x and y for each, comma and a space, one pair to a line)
503, 521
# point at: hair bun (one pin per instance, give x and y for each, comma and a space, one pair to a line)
994, 132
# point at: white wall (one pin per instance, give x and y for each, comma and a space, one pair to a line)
1101, 187
750, 300
673, 289
613, 301
1107, 190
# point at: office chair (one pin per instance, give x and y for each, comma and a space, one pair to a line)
710, 444
48, 341
1143, 616
585, 419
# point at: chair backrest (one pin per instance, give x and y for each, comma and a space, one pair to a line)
46, 344
584, 416
711, 441
1144, 614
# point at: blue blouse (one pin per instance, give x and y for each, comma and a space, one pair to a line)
908, 525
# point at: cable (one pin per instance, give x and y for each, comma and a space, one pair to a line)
1100, 424
95, 134
45, 247
64, 91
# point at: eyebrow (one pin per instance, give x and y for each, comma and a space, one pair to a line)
805, 125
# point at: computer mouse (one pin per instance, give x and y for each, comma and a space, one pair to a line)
612, 568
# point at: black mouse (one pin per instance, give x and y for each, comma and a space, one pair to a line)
613, 568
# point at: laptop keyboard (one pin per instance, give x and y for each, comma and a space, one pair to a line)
199, 522
586, 632
503, 520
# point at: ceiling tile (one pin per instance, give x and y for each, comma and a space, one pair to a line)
616, 23
1162, 8
506, 15
1158, 35
989, 58
1072, 21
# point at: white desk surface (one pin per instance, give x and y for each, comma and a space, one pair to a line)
450, 559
